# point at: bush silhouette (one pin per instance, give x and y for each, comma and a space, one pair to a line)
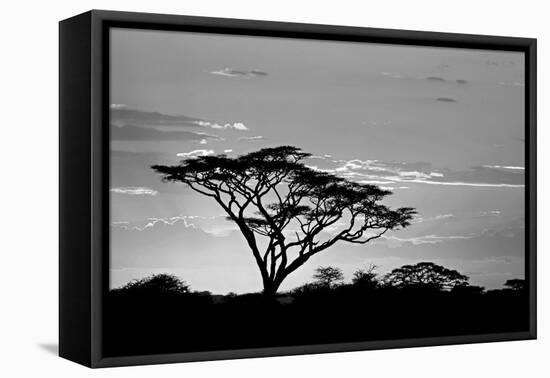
160, 314
515, 284
366, 278
156, 284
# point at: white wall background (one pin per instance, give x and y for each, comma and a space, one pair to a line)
29, 216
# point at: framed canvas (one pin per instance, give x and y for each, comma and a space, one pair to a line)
234, 188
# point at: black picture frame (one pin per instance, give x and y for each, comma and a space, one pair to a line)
84, 172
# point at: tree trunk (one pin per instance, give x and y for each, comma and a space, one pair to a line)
271, 287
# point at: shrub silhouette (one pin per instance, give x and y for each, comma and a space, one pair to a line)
366, 278
515, 284
140, 318
467, 290
270, 191
156, 284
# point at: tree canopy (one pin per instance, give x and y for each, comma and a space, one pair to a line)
328, 276
286, 211
425, 275
157, 283
366, 278
515, 284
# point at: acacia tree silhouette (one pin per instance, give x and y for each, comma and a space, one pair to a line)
328, 276
272, 194
426, 275
515, 284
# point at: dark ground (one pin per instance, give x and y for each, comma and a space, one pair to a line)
149, 322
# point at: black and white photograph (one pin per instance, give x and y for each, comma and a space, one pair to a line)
272, 192
275, 189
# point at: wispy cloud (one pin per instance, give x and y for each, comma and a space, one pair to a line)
490, 213
251, 138
444, 80
394, 241
389, 174
443, 216
152, 222
195, 153
445, 99
134, 191
227, 126
216, 225
229, 72
475, 184
130, 133
435, 218
123, 116
512, 83
504, 167
432, 78
393, 75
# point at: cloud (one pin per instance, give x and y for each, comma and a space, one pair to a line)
123, 116
196, 153
476, 184
227, 151
130, 133
442, 79
435, 218
384, 173
228, 126
443, 216
228, 72
212, 225
151, 222
414, 175
251, 138
393, 75
490, 213
504, 167
435, 78
445, 99
512, 84
134, 191
503, 240
394, 241
210, 136
376, 182
450, 216
394, 187
239, 126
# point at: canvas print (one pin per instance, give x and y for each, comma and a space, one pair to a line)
269, 192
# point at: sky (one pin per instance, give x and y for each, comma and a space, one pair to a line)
442, 128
